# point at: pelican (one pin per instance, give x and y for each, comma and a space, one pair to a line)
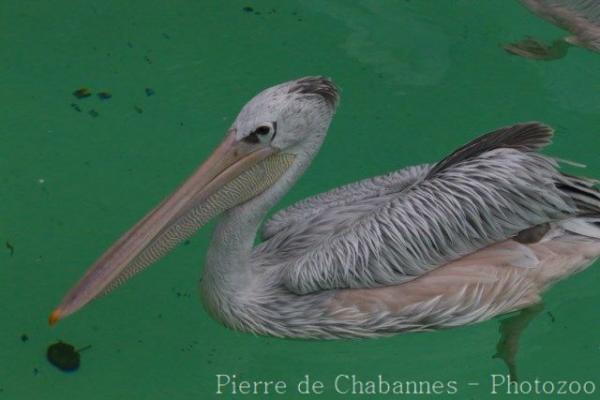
580, 17
482, 232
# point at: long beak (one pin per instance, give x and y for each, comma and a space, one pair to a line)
218, 184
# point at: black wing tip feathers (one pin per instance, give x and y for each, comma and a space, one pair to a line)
531, 136
526, 136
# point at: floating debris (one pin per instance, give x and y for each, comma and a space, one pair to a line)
104, 95
148, 60
75, 107
24, 337
82, 93
64, 356
138, 109
248, 9
536, 50
166, 36
10, 248
149, 91
93, 113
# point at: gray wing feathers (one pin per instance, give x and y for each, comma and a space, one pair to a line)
484, 193
583, 193
393, 182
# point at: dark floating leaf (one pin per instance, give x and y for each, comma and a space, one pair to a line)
93, 113
248, 9
63, 356
149, 91
75, 107
104, 95
24, 337
82, 93
138, 109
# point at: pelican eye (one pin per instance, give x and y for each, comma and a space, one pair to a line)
262, 130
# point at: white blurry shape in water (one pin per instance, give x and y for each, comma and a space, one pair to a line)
580, 17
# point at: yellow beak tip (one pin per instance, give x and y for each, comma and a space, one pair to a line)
54, 317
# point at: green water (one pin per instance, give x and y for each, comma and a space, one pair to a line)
418, 78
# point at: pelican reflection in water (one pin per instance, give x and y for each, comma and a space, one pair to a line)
483, 232
580, 17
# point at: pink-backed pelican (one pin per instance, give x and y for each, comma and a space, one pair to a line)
483, 232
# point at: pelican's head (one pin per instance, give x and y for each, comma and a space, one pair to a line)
288, 114
269, 134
